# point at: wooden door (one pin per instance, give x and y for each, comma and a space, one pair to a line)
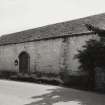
24, 62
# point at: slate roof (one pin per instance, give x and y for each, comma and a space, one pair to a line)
55, 30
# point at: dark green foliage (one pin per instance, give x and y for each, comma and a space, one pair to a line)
95, 29
37, 76
7, 74
92, 56
45, 74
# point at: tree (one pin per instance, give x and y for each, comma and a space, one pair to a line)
92, 56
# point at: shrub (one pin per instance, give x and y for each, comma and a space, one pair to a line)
92, 56
7, 74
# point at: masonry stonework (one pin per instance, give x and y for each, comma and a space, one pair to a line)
46, 55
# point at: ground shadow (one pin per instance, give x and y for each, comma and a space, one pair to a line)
65, 95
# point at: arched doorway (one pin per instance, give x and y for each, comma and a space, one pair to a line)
24, 62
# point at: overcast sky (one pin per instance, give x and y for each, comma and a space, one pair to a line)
17, 15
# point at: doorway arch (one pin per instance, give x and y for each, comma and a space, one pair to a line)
24, 62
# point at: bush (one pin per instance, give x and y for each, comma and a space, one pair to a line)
92, 56
7, 74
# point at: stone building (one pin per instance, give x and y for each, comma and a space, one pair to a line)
47, 49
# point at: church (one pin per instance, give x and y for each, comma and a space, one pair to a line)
49, 49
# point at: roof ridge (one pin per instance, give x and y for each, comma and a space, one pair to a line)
53, 30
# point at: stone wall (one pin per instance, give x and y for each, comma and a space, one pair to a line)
44, 55
51, 55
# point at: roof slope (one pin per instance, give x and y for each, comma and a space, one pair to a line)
54, 30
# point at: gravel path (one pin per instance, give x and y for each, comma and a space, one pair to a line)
20, 93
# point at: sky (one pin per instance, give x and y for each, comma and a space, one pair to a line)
18, 15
